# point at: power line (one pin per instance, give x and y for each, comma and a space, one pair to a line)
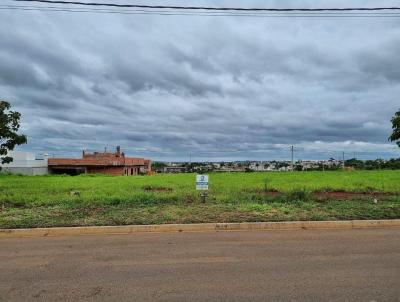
214, 8
292, 149
209, 14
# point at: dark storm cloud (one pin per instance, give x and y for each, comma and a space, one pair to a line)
229, 88
379, 63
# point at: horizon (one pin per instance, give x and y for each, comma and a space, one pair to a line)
196, 157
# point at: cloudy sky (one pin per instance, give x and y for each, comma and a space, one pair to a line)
165, 87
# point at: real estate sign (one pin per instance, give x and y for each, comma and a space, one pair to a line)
201, 182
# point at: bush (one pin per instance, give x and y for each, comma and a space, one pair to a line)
298, 195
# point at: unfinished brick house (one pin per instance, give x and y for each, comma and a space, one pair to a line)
100, 162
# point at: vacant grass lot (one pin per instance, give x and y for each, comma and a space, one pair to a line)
44, 201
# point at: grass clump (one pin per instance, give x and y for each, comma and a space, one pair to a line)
297, 195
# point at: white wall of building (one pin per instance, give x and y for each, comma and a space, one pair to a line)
26, 163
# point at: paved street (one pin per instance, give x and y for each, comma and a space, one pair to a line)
318, 265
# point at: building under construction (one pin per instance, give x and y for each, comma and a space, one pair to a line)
100, 162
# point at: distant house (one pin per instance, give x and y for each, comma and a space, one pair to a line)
25, 163
100, 162
175, 169
257, 166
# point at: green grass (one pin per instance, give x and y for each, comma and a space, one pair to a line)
44, 201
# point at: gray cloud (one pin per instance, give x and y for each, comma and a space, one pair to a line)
218, 87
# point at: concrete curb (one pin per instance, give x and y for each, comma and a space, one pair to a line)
201, 227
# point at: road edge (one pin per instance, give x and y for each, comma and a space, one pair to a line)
201, 227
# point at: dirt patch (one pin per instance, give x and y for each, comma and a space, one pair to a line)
339, 195
156, 189
18, 205
272, 192
335, 195
189, 198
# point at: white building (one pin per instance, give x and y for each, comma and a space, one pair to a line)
25, 163
257, 166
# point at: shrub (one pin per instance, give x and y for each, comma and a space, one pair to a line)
298, 195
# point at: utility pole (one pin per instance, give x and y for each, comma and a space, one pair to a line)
343, 160
291, 148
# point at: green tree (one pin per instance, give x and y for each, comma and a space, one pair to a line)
395, 137
157, 165
9, 125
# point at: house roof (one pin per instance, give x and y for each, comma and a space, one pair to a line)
127, 161
99, 159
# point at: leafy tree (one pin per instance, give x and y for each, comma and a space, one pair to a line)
395, 137
355, 163
9, 125
157, 165
298, 168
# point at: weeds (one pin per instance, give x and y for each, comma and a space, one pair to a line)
298, 195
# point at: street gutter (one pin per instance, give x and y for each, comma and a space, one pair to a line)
201, 227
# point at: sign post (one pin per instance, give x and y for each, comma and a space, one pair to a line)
202, 185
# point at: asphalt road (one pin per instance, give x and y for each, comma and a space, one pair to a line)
318, 265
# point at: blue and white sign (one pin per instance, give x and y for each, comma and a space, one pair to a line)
201, 182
